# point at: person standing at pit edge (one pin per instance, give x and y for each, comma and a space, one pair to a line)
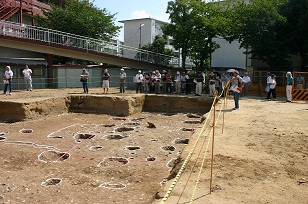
84, 79
122, 80
8, 76
106, 77
289, 86
27, 76
237, 85
138, 80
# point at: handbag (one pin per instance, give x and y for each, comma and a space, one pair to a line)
5, 81
267, 89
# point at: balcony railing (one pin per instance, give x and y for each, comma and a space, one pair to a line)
85, 43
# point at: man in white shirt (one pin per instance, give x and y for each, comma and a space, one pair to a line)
27, 76
8, 75
138, 80
246, 80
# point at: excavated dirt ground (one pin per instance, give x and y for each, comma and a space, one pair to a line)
261, 157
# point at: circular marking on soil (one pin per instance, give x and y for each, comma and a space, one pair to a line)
133, 147
96, 148
2, 138
181, 141
53, 156
115, 137
192, 121
117, 186
124, 129
2, 133
168, 148
51, 182
83, 136
26, 131
113, 161
187, 129
151, 159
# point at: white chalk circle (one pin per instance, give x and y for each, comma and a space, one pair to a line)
53, 156
113, 161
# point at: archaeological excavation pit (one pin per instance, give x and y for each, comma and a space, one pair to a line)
113, 162
2, 138
26, 131
133, 147
120, 151
83, 136
124, 129
115, 137
151, 159
181, 141
168, 148
53, 156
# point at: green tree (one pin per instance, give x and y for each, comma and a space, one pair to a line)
209, 23
258, 26
81, 18
181, 15
295, 30
158, 46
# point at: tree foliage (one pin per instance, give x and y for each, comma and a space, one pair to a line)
80, 18
295, 30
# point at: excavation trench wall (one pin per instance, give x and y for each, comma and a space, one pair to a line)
18, 110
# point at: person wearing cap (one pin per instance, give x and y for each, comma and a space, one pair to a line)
138, 80
106, 77
8, 76
246, 80
122, 78
157, 84
27, 77
289, 86
178, 81
84, 79
236, 87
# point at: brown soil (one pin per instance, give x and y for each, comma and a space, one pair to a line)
261, 157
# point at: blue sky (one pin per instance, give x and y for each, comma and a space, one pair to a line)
134, 9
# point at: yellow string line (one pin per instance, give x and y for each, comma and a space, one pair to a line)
175, 180
203, 160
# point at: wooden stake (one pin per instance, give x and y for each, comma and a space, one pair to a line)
212, 160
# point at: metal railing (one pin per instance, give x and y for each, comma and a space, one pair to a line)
85, 43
